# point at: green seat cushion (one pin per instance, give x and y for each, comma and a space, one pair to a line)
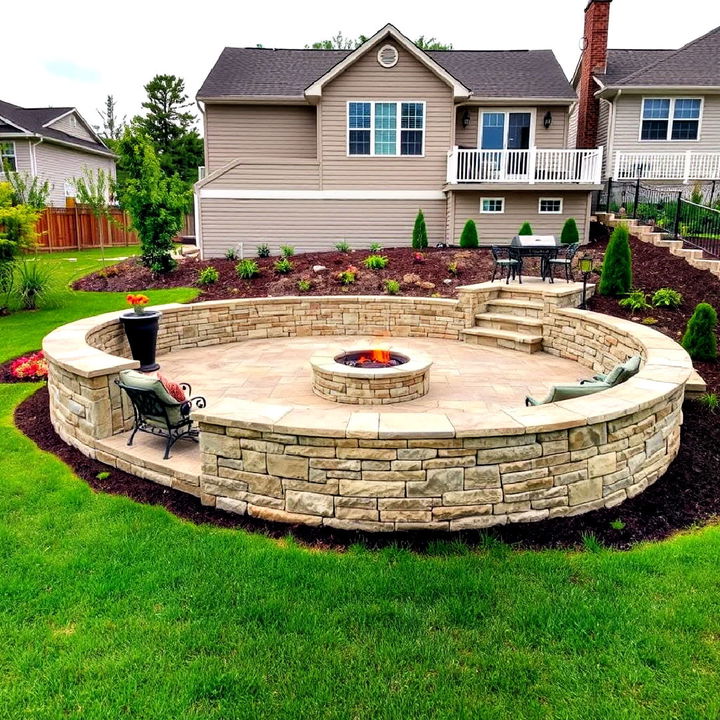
568, 392
140, 381
621, 373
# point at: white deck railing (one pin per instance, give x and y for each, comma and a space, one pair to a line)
683, 166
524, 166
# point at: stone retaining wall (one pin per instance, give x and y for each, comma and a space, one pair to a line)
393, 471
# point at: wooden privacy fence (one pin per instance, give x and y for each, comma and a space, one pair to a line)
77, 228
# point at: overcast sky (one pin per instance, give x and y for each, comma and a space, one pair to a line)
77, 54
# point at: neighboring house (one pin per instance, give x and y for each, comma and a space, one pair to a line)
657, 112
310, 147
54, 144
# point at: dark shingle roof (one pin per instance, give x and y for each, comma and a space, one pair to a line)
622, 63
488, 73
696, 64
33, 119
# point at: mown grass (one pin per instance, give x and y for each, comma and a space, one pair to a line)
110, 609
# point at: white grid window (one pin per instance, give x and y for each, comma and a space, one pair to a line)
386, 128
671, 119
7, 157
491, 206
550, 206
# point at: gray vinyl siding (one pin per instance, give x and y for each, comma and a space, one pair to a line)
466, 137
78, 131
603, 130
314, 225
58, 164
627, 127
519, 208
258, 132
366, 80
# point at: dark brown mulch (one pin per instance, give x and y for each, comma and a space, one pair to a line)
421, 279
655, 268
686, 496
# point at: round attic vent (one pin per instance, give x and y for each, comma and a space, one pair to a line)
387, 56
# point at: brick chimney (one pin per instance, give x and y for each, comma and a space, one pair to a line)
593, 60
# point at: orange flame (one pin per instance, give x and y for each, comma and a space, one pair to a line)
376, 356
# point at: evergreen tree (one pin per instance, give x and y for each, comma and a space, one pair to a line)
526, 229
420, 236
616, 278
469, 235
570, 234
700, 338
156, 203
169, 125
112, 127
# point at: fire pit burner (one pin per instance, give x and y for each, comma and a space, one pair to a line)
372, 359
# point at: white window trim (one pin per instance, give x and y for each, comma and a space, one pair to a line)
372, 128
550, 212
492, 212
532, 111
671, 113
4, 155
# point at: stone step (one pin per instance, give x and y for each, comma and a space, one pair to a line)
686, 253
605, 217
706, 264
695, 386
511, 323
520, 308
667, 243
503, 339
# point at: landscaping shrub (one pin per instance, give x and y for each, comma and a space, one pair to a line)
453, 268
667, 298
526, 229
287, 251
469, 235
636, 300
711, 401
30, 366
570, 234
247, 269
342, 246
376, 262
231, 254
347, 276
304, 285
376, 247
33, 284
616, 278
263, 250
420, 236
699, 339
392, 287
283, 266
208, 276
419, 257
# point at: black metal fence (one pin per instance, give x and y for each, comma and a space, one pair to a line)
690, 213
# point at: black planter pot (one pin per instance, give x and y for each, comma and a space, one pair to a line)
141, 331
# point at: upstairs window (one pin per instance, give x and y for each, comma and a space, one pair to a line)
671, 119
7, 157
386, 128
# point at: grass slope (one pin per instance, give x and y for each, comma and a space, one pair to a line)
110, 609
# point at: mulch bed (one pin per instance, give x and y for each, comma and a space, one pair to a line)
420, 279
7, 378
687, 495
655, 268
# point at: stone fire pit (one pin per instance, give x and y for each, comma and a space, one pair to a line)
365, 376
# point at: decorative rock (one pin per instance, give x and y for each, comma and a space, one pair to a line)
319, 268
309, 503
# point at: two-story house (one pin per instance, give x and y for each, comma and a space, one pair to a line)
55, 144
310, 147
656, 112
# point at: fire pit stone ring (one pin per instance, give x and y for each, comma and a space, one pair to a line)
406, 379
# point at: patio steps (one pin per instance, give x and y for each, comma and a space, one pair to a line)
517, 308
510, 323
508, 339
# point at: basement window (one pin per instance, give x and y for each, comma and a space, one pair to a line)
550, 206
492, 206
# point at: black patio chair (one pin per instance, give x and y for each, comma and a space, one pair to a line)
506, 263
156, 411
564, 260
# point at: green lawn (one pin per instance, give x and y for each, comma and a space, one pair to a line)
110, 609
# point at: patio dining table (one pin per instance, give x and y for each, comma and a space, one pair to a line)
544, 247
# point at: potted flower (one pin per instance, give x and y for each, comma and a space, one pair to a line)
141, 329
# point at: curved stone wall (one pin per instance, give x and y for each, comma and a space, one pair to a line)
391, 471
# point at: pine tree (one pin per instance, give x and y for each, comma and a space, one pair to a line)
112, 127
420, 236
469, 235
526, 229
700, 339
616, 278
570, 234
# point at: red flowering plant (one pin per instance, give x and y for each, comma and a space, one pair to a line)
347, 276
418, 257
30, 367
138, 302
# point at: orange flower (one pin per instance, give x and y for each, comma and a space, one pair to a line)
138, 299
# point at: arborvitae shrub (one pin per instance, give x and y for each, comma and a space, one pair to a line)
616, 278
700, 340
420, 236
570, 234
469, 235
526, 229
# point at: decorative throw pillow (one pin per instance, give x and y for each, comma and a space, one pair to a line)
173, 388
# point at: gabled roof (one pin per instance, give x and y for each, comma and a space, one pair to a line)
263, 74
621, 63
33, 121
